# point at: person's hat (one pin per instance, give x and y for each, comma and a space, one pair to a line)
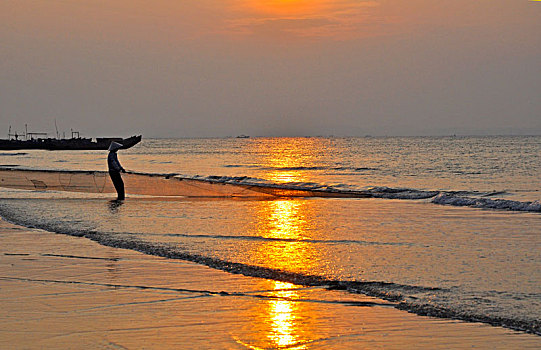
114, 146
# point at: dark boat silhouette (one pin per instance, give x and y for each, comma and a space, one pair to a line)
72, 144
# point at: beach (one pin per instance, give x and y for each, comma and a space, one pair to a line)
260, 175
267, 243
68, 292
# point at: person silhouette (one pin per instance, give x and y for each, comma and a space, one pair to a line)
115, 169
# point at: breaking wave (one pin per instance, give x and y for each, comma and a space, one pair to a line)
302, 168
288, 240
474, 199
486, 203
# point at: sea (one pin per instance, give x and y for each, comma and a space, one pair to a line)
442, 226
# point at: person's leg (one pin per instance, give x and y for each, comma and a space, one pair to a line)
118, 183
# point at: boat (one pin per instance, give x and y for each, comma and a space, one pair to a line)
71, 144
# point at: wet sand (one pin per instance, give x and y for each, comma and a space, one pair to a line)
60, 292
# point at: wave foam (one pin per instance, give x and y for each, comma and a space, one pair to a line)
400, 193
486, 203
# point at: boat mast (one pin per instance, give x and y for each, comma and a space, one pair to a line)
56, 127
10, 135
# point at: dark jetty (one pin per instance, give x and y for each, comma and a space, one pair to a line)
73, 144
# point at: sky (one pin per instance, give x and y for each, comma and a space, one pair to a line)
215, 68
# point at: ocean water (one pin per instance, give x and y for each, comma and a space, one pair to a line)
448, 226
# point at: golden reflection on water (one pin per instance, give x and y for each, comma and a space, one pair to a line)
284, 318
285, 158
282, 322
288, 221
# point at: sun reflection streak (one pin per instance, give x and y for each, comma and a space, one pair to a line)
284, 318
285, 223
287, 159
283, 321
285, 219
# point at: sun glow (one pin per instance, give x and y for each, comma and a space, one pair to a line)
285, 7
303, 18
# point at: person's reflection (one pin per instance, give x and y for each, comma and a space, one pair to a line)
114, 205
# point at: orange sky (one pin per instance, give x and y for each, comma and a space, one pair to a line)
273, 66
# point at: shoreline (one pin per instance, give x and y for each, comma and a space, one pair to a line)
61, 291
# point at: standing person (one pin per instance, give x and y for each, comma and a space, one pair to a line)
115, 169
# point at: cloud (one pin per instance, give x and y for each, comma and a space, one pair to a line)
299, 26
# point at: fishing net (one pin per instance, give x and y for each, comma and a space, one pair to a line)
144, 184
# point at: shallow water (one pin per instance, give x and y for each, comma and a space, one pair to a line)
461, 262
506, 167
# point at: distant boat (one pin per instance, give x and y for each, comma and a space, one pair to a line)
243, 137
73, 144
